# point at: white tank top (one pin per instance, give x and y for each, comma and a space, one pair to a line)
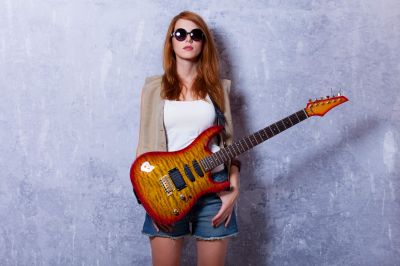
185, 120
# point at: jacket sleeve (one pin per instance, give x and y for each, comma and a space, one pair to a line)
228, 136
149, 135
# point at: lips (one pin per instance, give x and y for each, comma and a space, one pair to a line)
188, 48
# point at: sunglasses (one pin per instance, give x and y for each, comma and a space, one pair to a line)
180, 35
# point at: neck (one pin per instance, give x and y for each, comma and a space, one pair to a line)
187, 71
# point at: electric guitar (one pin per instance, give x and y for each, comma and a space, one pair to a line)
169, 183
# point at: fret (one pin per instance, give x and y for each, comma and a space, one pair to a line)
243, 140
297, 117
263, 134
280, 125
225, 155
240, 147
247, 140
235, 150
303, 114
287, 122
210, 162
300, 115
216, 160
229, 151
219, 158
219, 155
253, 140
294, 118
207, 163
213, 163
259, 139
269, 132
203, 164
274, 129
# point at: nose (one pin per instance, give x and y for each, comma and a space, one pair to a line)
189, 38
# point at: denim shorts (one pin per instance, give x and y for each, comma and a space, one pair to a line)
198, 221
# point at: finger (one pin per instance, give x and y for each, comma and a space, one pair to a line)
221, 219
217, 217
228, 220
224, 217
165, 228
156, 227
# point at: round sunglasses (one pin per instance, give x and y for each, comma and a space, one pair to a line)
180, 35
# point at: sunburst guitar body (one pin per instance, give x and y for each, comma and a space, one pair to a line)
168, 184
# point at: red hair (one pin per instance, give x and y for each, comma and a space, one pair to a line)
208, 75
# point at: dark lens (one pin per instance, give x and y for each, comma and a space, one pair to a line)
197, 35
180, 34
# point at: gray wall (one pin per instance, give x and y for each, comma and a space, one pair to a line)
325, 192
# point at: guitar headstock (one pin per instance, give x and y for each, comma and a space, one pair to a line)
321, 106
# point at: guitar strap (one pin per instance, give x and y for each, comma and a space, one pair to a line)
219, 119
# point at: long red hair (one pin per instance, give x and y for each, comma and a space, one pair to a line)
208, 75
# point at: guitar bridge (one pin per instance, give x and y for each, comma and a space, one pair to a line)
167, 185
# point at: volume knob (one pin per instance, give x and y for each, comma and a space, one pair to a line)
182, 197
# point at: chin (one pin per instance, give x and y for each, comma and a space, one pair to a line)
189, 58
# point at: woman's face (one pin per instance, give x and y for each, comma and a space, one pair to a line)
188, 49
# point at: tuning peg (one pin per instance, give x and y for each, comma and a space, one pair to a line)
339, 94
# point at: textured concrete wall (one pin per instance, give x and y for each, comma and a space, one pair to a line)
325, 192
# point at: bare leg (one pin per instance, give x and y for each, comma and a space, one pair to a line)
211, 252
166, 251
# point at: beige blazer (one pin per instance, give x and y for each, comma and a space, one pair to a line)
152, 135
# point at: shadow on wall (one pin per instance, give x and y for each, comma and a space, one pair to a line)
302, 192
248, 248
353, 133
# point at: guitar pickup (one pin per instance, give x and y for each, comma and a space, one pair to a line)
197, 168
177, 178
189, 173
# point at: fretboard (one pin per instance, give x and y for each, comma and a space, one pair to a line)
242, 145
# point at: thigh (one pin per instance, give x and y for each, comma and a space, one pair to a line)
166, 251
211, 252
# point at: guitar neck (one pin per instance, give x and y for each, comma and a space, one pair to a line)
242, 145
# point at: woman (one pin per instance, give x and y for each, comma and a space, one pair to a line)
175, 109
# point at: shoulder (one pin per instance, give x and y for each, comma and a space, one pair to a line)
226, 85
153, 82
152, 85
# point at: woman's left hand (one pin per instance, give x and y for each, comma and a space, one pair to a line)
228, 199
224, 214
